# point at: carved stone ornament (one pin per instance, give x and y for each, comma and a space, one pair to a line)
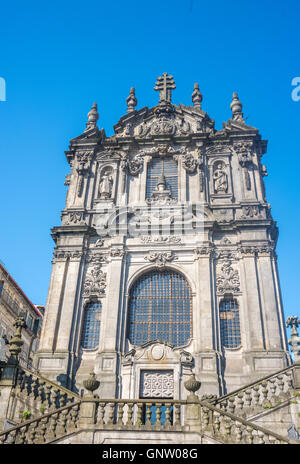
157, 384
83, 162
117, 252
96, 257
203, 251
73, 255
76, 217
192, 385
227, 279
189, 163
251, 211
160, 239
95, 282
135, 165
244, 153
160, 258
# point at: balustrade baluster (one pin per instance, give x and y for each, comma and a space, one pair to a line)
205, 416
43, 428
248, 398
148, 414
23, 431
256, 395
177, 414
158, 414
101, 413
231, 406
273, 390
120, 413
48, 388
240, 404
264, 391
216, 422
111, 410
74, 415
33, 432
54, 423
41, 390
238, 431
129, 414
250, 434
261, 437
168, 414
139, 420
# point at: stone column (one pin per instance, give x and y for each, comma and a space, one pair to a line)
269, 303
107, 358
254, 335
66, 315
58, 277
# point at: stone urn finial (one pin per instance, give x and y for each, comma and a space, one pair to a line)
93, 117
236, 108
192, 385
16, 342
91, 384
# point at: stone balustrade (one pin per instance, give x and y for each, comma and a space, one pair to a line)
265, 394
36, 395
45, 428
146, 415
229, 428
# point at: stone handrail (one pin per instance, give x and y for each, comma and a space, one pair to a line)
266, 392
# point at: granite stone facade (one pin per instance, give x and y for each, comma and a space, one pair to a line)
129, 214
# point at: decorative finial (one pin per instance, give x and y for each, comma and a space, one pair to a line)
91, 384
161, 184
164, 85
293, 322
16, 342
192, 385
93, 117
236, 108
197, 97
131, 100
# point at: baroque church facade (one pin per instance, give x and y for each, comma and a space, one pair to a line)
165, 261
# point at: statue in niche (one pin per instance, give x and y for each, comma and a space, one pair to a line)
220, 179
106, 184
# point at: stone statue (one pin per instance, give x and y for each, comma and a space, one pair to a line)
105, 186
220, 179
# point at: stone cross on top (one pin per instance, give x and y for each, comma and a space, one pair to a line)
164, 85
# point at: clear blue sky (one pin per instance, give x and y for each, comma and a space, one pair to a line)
57, 58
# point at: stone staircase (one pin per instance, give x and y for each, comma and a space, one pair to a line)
57, 415
68, 418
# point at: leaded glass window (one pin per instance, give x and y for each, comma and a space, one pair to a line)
167, 167
230, 323
91, 325
160, 308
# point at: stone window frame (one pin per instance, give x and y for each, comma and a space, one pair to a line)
85, 304
140, 276
230, 297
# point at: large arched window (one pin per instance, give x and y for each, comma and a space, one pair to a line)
91, 325
160, 308
167, 167
230, 323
